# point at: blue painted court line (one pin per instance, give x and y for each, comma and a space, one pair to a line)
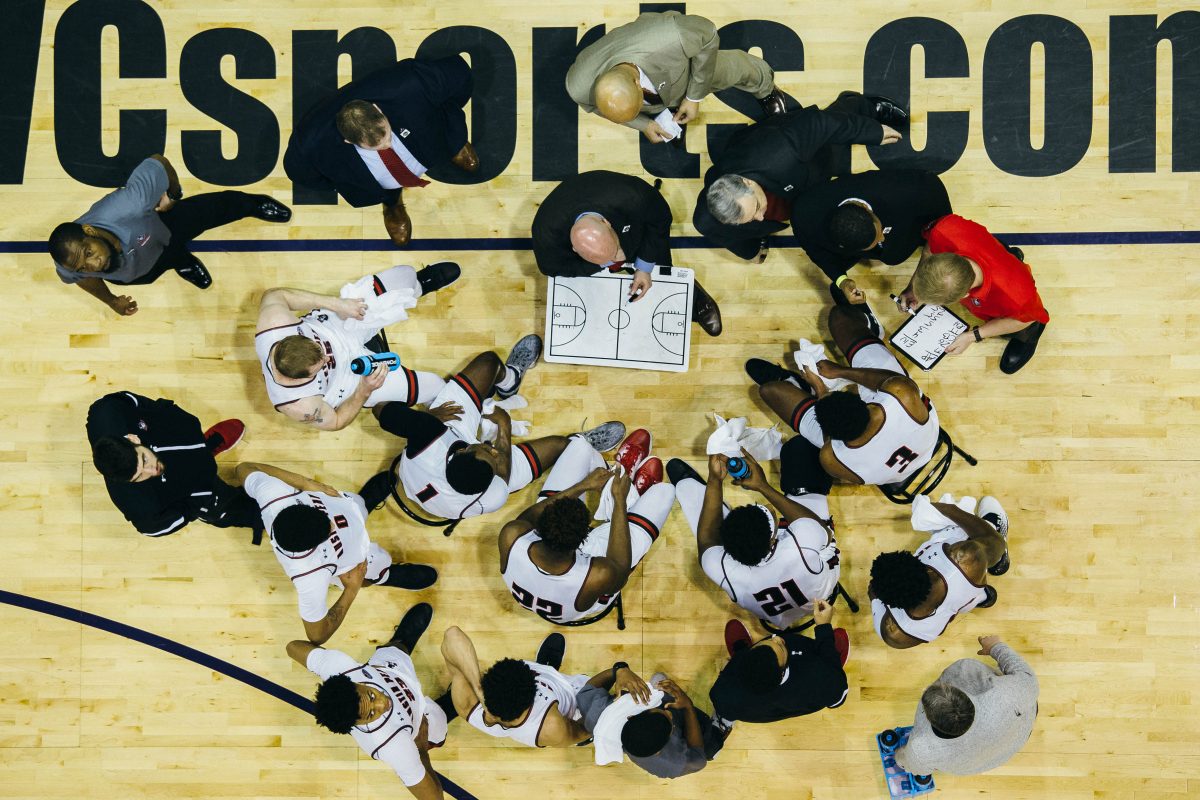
189, 653
677, 242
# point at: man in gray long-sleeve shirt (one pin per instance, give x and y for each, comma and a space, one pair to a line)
972, 720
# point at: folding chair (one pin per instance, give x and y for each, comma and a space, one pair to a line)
838, 591
926, 479
448, 524
618, 605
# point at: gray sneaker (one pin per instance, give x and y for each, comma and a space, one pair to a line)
522, 357
991, 512
605, 437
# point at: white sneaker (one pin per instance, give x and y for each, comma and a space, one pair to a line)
991, 512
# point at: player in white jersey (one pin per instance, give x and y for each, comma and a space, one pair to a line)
776, 572
445, 468
319, 536
306, 362
530, 702
880, 435
559, 569
381, 703
915, 596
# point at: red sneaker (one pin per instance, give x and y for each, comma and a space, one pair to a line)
841, 643
736, 636
224, 435
650, 473
634, 449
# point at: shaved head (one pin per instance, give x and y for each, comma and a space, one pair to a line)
617, 93
594, 239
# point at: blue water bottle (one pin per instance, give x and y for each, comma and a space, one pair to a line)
738, 468
364, 364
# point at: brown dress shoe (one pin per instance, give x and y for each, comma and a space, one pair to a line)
467, 158
705, 311
398, 225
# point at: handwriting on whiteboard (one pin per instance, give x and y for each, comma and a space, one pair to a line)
927, 334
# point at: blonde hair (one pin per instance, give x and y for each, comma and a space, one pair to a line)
295, 356
942, 278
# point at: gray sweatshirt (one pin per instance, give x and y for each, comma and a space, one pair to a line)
1005, 707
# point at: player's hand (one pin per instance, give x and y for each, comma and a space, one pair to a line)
681, 701
421, 740
986, 643
596, 479
349, 308
124, 305
718, 467
655, 133
447, 412
374, 379
639, 287
688, 110
855, 295
499, 416
890, 135
629, 681
763, 252
960, 343
756, 481
620, 486
165, 203
813, 379
822, 612
908, 299
355, 577
827, 368
324, 488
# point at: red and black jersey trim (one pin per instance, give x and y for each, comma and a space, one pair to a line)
468, 387
534, 464
544, 493
645, 524
411, 377
377, 285
799, 411
860, 344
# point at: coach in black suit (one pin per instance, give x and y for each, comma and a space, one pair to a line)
378, 135
606, 219
749, 190
872, 215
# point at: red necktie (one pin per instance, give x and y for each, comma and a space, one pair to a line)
778, 208
616, 266
400, 172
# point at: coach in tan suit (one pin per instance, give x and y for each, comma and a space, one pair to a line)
664, 60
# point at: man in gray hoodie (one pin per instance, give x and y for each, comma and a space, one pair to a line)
972, 720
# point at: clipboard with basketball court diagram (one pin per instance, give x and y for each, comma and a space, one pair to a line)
590, 321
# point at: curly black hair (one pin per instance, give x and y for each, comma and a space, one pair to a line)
466, 474
508, 689
746, 535
851, 227
337, 704
563, 525
299, 528
900, 580
645, 734
842, 415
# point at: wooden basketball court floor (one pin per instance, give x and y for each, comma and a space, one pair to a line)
1092, 449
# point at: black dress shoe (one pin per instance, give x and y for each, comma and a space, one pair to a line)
762, 371
705, 311
411, 576
1016, 251
195, 273
889, 112
990, 600
679, 470
376, 490
774, 103
413, 624
553, 648
438, 276
1019, 350
269, 209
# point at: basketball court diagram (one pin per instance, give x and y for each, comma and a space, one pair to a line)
590, 321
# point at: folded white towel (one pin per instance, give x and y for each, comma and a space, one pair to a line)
732, 436
927, 518
808, 355
489, 429
382, 310
604, 507
606, 738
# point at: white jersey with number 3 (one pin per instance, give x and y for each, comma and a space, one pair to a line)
900, 448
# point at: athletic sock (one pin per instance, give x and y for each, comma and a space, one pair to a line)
447, 704
510, 381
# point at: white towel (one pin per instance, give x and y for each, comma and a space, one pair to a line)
604, 507
606, 738
666, 121
382, 310
489, 429
808, 355
927, 518
732, 436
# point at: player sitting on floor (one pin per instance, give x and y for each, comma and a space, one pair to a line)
775, 572
880, 435
558, 568
306, 362
915, 596
445, 468
530, 702
320, 538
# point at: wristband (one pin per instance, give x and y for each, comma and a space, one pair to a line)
616, 667
978, 336
838, 283
175, 195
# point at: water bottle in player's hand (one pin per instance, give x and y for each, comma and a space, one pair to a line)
365, 364
738, 468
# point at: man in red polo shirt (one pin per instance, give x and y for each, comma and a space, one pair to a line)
963, 262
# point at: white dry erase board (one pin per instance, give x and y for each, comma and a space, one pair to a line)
923, 339
589, 321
